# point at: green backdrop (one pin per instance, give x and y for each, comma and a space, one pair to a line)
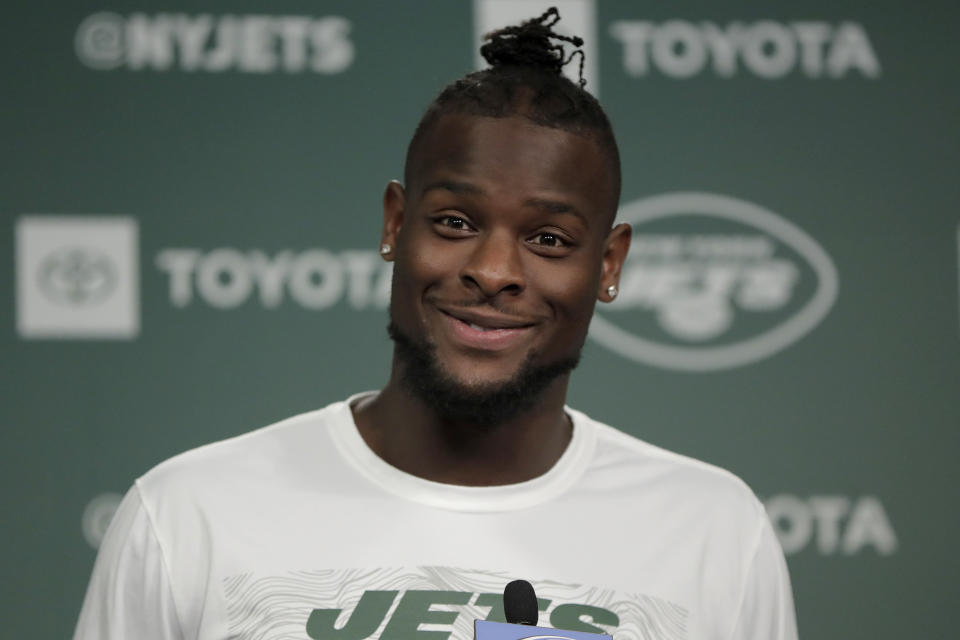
191, 193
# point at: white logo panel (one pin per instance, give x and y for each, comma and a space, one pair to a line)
832, 525
77, 277
765, 49
700, 285
97, 516
208, 43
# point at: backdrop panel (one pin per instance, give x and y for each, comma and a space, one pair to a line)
191, 195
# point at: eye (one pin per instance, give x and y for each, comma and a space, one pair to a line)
548, 239
452, 226
454, 222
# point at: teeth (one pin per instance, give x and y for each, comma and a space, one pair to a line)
477, 327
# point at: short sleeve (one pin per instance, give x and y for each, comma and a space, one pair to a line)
129, 595
766, 609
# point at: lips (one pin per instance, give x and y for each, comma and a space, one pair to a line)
486, 331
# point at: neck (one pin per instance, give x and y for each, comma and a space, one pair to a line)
400, 428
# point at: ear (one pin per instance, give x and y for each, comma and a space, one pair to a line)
614, 253
394, 203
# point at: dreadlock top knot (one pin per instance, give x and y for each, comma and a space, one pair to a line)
529, 44
525, 80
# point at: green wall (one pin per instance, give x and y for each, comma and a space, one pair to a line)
191, 236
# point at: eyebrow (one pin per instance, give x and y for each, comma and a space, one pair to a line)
553, 206
550, 206
454, 187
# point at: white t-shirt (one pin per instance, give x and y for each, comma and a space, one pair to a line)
298, 530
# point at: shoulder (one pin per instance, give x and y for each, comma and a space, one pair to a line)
631, 464
245, 461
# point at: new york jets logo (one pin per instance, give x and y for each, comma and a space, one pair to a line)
713, 282
77, 276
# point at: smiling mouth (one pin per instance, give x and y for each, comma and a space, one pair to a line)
488, 328
487, 332
487, 322
478, 327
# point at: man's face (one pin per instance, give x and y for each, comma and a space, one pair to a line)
502, 245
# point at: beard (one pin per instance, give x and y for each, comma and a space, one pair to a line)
484, 405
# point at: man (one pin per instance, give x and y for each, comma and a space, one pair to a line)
401, 514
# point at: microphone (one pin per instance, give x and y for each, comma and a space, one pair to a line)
522, 612
520, 603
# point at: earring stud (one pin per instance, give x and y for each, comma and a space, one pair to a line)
612, 291
385, 249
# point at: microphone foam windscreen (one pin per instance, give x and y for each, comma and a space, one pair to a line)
520, 603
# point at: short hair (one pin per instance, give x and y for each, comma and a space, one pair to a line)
526, 79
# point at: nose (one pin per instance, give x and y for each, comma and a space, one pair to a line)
494, 266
